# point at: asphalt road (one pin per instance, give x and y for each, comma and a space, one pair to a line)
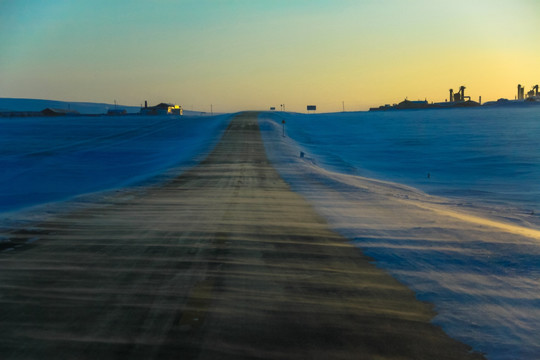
223, 262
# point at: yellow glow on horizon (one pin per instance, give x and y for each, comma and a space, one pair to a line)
256, 54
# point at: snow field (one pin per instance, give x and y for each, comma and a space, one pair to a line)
476, 262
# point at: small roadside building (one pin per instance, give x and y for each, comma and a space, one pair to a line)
58, 112
116, 112
162, 109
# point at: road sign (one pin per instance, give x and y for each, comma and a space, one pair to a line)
311, 107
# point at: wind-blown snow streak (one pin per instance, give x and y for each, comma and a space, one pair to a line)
509, 228
478, 263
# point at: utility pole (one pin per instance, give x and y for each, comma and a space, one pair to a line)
343, 103
211, 109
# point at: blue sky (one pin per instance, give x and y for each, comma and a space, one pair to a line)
240, 54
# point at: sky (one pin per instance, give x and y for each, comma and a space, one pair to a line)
235, 55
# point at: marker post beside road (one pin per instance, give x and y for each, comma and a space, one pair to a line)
283, 124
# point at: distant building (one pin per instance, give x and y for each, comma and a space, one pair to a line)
408, 104
59, 112
459, 96
162, 109
533, 94
521, 92
423, 104
456, 100
116, 112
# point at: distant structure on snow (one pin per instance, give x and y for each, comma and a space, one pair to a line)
59, 112
458, 99
532, 95
162, 109
116, 112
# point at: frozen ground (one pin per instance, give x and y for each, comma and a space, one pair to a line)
473, 250
490, 155
475, 255
45, 160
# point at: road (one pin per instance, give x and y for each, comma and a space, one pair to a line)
223, 262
